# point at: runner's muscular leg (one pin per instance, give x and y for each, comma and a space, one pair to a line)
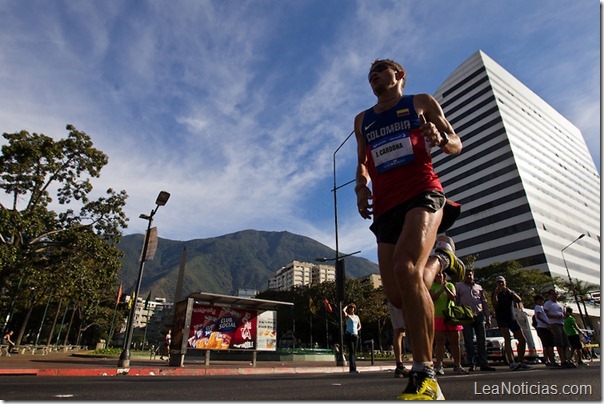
409, 267
430, 270
389, 282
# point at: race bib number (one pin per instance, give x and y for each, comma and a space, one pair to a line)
393, 151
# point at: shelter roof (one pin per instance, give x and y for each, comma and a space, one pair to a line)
244, 302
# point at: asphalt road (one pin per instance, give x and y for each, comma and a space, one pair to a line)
537, 384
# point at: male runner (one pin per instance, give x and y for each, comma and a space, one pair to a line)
394, 138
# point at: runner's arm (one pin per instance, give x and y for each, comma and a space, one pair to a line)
363, 179
427, 106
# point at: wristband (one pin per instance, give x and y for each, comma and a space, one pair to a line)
445, 140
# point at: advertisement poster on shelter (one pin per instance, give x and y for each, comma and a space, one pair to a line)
221, 328
267, 331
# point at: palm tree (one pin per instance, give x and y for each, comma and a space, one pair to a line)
580, 289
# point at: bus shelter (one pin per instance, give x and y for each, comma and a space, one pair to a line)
208, 321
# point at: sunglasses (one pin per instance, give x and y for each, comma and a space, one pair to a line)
380, 67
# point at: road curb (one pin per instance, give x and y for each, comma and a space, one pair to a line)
177, 371
76, 372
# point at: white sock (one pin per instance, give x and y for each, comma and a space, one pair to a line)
421, 366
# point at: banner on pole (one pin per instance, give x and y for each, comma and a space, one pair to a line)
151, 244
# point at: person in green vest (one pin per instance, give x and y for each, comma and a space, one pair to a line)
443, 295
573, 333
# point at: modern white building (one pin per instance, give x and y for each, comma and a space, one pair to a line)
298, 273
247, 293
527, 182
151, 320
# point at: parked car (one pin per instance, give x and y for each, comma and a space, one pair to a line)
495, 341
496, 345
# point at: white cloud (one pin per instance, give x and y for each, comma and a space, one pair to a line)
236, 108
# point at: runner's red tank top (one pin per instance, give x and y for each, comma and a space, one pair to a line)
399, 160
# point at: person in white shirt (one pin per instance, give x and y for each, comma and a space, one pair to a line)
555, 313
545, 334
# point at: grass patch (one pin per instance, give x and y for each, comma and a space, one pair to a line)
118, 351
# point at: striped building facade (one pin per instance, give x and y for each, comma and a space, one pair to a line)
527, 182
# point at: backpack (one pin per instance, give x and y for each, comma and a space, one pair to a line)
534, 320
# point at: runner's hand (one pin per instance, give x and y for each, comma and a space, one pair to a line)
363, 197
430, 132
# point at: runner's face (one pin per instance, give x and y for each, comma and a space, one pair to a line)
381, 77
380, 67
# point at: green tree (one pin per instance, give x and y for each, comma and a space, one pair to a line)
580, 288
525, 282
374, 314
68, 254
325, 326
577, 292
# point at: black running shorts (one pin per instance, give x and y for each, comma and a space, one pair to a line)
388, 227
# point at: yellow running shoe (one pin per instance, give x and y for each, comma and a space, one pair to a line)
456, 268
421, 387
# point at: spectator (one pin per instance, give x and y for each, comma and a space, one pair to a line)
166, 345
6, 340
353, 325
503, 299
573, 333
443, 294
471, 294
555, 312
398, 334
544, 332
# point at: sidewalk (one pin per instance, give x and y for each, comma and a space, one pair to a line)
81, 364
70, 364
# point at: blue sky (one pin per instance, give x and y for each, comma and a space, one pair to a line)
236, 107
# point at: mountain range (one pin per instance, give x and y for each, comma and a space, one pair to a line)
224, 264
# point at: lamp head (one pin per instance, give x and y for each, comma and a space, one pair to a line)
162, 198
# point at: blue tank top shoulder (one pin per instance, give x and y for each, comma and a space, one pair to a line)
388, 134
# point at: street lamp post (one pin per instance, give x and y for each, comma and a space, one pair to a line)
340, 277
124, 360
340, 271
570, 280
335, 193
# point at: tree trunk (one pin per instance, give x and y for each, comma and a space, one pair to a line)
54, 323
79, 334
24, 325
69, 326
84, 329
380, 331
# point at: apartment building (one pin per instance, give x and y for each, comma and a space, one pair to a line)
527, 182
298, 273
